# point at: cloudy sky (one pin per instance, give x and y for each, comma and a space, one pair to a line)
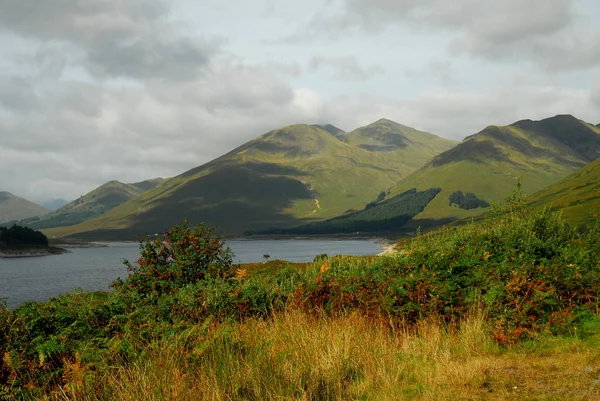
95, 90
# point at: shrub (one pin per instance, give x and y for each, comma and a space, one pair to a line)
186, 256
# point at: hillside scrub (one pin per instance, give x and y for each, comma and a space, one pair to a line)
186, 321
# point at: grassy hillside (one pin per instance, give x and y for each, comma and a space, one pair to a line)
487, 164
16, 208
92, 204
288, 176
387, 215
577, 196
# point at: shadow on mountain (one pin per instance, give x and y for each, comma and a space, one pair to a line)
389, 215
234, 198
472, 150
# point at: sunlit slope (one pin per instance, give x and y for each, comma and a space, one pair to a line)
488, 163
92, 204
577, 195
412, 146
13, 207
288, 176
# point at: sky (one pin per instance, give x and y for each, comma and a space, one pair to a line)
100, 90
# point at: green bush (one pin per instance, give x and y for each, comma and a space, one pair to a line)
186, 256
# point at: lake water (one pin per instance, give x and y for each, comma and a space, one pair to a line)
92, 269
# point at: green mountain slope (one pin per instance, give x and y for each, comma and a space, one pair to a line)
577, 195
485, 166
283, 178
387, 215
92, 204
15, 208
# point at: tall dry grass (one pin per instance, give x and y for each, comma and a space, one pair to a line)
295, 356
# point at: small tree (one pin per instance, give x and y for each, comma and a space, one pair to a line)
266, 256
186, 256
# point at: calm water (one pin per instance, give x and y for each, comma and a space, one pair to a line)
38, 279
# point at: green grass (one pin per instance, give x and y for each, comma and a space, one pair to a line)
286, 177
379, 217
576, 196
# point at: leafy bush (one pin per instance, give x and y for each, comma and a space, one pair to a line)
186, 256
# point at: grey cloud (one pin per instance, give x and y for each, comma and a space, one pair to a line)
17, 94
345, 68
84, 134
542, 31
131, 38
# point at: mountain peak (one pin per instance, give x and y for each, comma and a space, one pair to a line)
332, 129
385, 121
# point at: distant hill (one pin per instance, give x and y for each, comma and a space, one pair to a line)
284, 178
54, 204
577, 195
484, 167
15, 208
92, 204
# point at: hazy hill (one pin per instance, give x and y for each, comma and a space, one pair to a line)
577, 195
288, 176
15, 208
484, 166
54, 204
92, 204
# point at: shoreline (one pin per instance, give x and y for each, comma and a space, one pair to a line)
32, 253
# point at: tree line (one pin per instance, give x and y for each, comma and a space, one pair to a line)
18, 236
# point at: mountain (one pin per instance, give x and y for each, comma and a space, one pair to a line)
283, 178
483, 168
577, 195
54, 204
93, 204
15, 208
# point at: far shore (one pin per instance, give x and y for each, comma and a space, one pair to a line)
32, 252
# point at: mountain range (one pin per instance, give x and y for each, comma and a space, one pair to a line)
91, 205
289, 176
321, 179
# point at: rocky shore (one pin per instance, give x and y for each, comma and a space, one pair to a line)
31, 252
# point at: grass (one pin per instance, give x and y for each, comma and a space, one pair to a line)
506, 309
577, 196
297, 356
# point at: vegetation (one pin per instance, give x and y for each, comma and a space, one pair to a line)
283, 178
18, 237
13, 208
577, 196
468, 201
541, 152
92, 204
387, 215
479, 311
